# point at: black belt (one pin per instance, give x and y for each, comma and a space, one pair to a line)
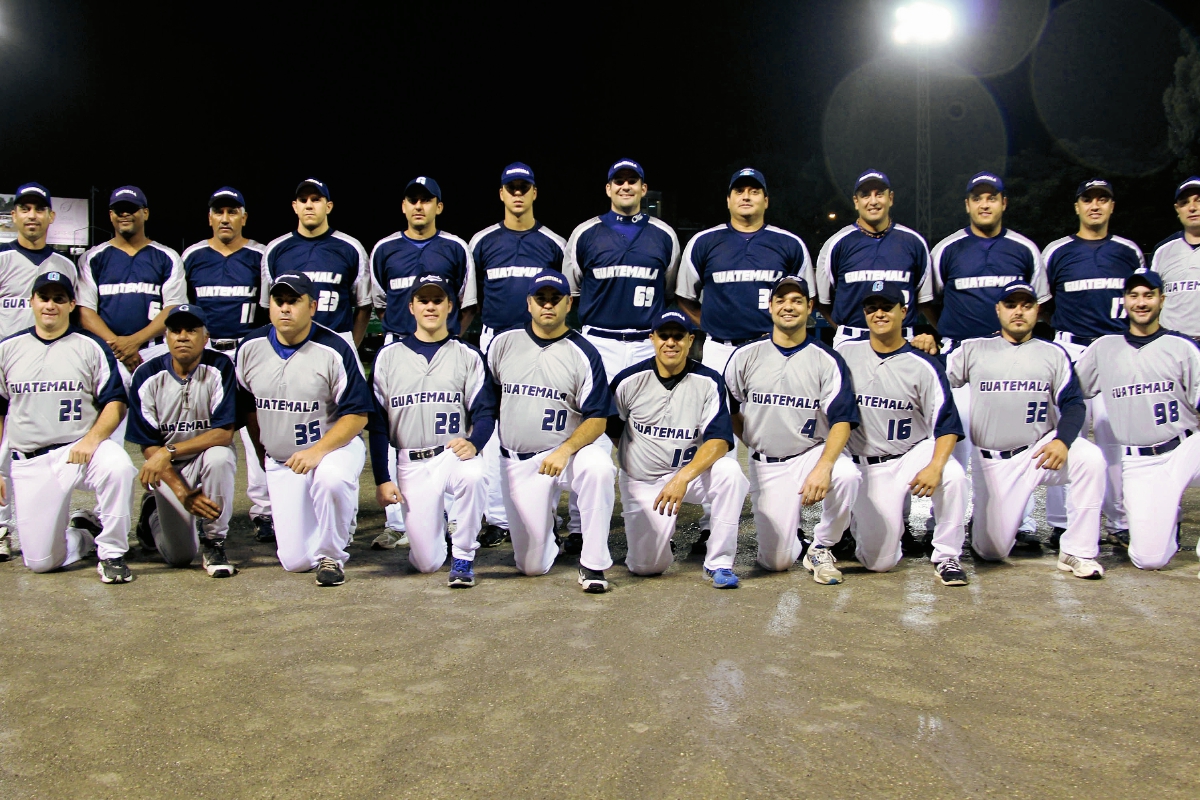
1158, 449
734, 342
874, 459
223, 344
1003, 453
519, 456
429, 452
757, 456
639, 336
41, 451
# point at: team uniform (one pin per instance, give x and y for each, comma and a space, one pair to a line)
427, 394
1087, 279
167, 410
789, 398
397, 262
51, 394
298, 393
1022, 397
547, 387
904, 404
1151, 386
337, 266
1178, 262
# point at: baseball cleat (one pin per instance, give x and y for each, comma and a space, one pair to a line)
113, 570
144, 535
329, 573
819, 561
1119, 539
950, 572
493, 535
722, 578
700, 546
216, 564
389, 539
592, 580
5, 543
1080, 567
264, 529
462, 576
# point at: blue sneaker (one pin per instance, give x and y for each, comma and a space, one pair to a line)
722, 578
462, 576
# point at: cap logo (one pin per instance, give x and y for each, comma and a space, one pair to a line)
867, 175
877, 286
518, 169
1096, 183
224, 194
33, 189
437, 278
128, 191
314, 182
986, 178
421, 181
746, 172
625, 164
53, 276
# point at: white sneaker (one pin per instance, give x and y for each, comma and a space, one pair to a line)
819, 561
1080, 567
389, 539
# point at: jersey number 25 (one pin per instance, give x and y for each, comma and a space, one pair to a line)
70, 410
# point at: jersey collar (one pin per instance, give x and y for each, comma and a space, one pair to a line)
544, 342
1141, 341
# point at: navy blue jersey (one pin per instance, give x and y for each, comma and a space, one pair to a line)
1087, 278
130, 291
226, 287
732, 273
505, 261
853, 260
164, 409
397, 262
969, 272
334, 262
623, 282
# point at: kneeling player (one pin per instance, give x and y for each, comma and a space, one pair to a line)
1150, 379
1026, 413
61, 398
907, 432
672, 428
182, 412
435, 405
790, 393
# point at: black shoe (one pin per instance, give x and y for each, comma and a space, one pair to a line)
574, 544
700, 546
329, 573
144, 536
910, 544
264, 529
1029, 539
951, 573
592, 580
492, 536
215, 562
113, 570
672, 543
844, 550
88, 521
1120, 539
1055, 537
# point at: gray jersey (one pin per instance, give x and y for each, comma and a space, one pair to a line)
51, 392
903, 399
667, 421
164, 409
789, 398
546, 388
1017, 390
18, 268
1179, 264
428, 402
1151, 385
298, 393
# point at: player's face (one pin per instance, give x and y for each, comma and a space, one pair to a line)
883, 319
227, 222
671, 345
790, 310
748, 201
986, 207
312, 210
431, 308
32, 220
1188, 209
873, 203
518, 197
291, 313
549, 307
421, 210
1094, 209
1018, 315
626, 191
186, 344
128, 220
51, 309
1143, 304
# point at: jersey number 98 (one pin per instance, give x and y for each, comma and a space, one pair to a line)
643, 296
554, 420
308, 434
69, 410
1166, 412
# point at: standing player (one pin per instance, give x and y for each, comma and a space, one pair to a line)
1150, 379
61, 399
793, 405
1177, 261
396, 263
307, 402
334, 262
554, 404
224, 278
909, 427
182, 408
1026, 414
434, 404
507, 256
672, 428
1087, 273
22, 260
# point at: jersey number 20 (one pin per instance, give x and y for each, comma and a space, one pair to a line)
554, 420
70, 410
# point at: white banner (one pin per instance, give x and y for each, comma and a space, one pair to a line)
70, 221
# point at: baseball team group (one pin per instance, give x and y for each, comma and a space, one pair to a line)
471, 446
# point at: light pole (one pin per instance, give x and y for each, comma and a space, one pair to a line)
922, 25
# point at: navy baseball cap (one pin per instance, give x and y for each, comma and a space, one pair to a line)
54, 279
886, 291
1144, 277
549, 277
298, 282
626, 163
431, 280
748, 175
428, 184
186, 316
1018, 287
128, 194
1188, 188
667, 318
320, 187
788, 283
872, 176
33, 191
517, 172
1094, 185
985, 179
227, 196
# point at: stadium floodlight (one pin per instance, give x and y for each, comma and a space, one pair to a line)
923, 24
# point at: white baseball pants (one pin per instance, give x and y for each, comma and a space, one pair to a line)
494, 513
531, 499
879, 509
8, 516
173, 527
44, 485
1155, 486
314, 512
775, 498
256, 480
1004, 486
424, 485
648, 532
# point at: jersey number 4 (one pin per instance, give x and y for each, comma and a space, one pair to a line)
308, 434
69, 410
